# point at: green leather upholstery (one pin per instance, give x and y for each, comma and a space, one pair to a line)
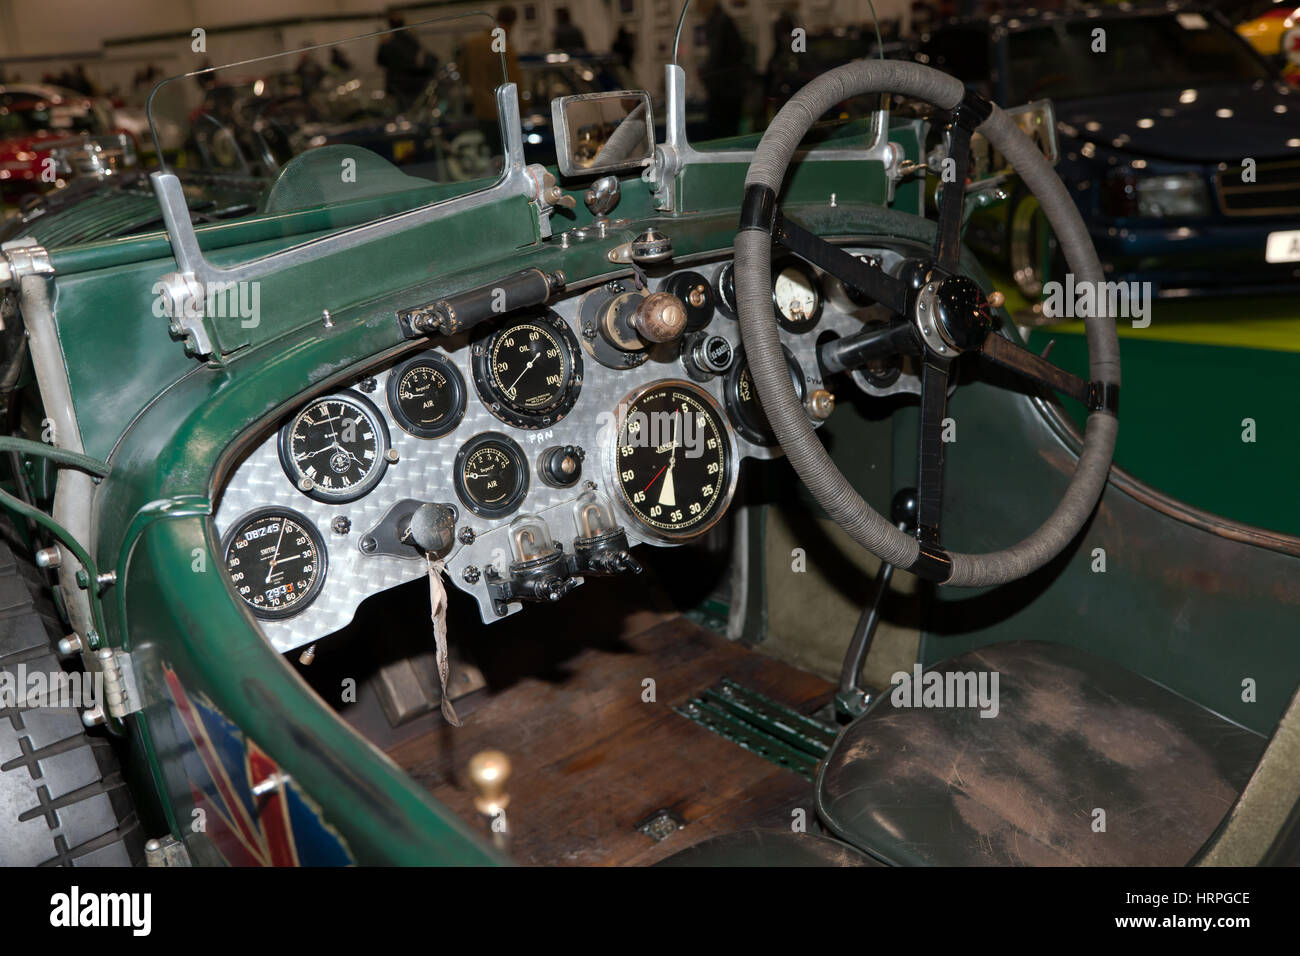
769, 848
1073, 735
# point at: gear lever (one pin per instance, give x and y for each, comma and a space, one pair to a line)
851, 700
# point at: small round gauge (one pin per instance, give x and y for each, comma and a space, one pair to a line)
529, 371
335, 449
491, 475
276, 562
674, 460
724, 283
426, 395
796, 296
741, 397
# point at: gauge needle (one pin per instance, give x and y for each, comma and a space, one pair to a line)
668, 490
511, 389
276, 556
654, 479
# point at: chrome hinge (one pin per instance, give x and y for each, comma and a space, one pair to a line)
166, 851
182, 298
121, 692
22, 257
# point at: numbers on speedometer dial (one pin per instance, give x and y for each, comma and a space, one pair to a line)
275, 560
673, 460
529, 371
335, 449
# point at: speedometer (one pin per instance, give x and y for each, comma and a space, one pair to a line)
336, 449
275, 560
673, 459
529, 371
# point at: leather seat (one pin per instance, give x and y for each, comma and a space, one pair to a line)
1073, 735
769, 848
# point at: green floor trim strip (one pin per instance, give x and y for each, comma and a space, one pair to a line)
761, 725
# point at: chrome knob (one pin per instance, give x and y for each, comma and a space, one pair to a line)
603, 195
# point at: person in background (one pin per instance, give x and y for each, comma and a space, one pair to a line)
567, 35
723, 73
405, 64
482, 71
624, 46
779, 79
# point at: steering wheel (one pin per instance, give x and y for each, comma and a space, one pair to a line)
938, 314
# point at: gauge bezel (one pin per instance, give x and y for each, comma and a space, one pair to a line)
781, 264
731, 396
639, 528
719, 296
309, 527
455, 381
496, 402
362, 488
517, 496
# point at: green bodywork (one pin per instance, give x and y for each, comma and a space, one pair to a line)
170, 426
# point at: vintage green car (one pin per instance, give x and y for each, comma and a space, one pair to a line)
536, 520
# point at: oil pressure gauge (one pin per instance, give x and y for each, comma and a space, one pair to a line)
529, 371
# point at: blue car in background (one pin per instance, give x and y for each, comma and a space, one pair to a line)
1180, 144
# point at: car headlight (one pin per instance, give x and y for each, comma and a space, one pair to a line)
1176, 195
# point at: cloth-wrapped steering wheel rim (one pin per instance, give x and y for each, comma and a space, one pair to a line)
766, 359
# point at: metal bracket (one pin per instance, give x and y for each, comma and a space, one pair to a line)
676, 153
183, 305
166, 851
121, 691
22, 257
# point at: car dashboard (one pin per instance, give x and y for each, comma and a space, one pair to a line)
536, 449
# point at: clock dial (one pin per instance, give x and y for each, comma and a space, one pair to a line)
336, 448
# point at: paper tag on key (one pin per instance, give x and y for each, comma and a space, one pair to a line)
438, 602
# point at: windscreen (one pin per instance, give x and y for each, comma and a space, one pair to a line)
407, 109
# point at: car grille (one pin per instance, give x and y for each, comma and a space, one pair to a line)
1275, 191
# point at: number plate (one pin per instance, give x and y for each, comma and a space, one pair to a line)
1283, 246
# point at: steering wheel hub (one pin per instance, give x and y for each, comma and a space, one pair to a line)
951, 315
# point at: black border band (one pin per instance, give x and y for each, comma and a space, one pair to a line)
1103, 397
932, 564
758, 210
973, 110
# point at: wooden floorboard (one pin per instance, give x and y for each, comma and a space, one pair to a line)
591, 759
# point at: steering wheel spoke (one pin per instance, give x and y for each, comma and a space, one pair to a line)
929, 478
869, 279
966, 116
1003, 352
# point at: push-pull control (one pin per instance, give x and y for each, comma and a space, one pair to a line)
412, 528
620, 324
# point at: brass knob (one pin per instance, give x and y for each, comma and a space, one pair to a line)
661, 317
820, 404
488, 772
